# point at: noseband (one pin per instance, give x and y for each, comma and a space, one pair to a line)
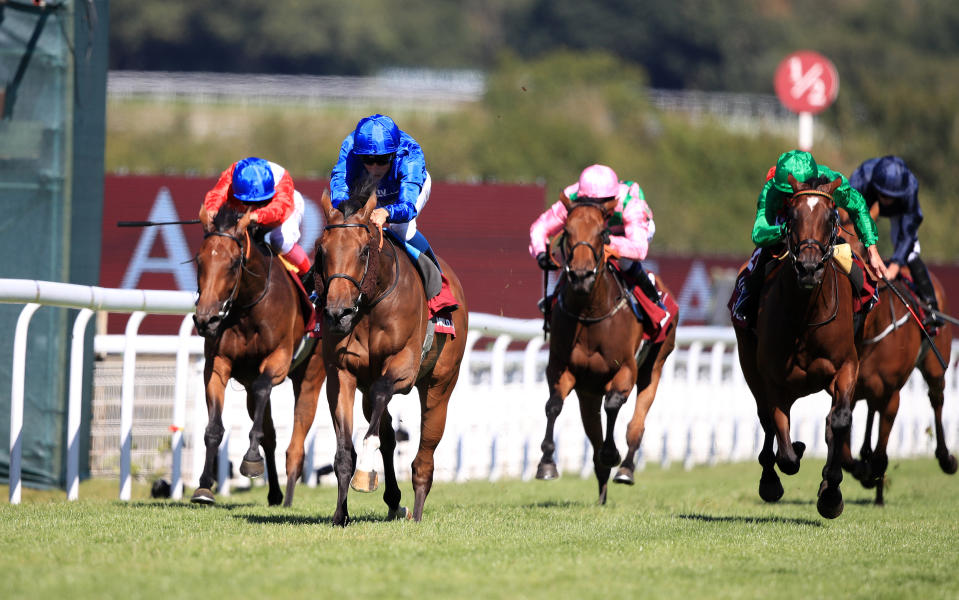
825, 250
366, 267
228, 303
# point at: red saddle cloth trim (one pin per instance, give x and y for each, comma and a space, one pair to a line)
656, 325
867, 297
309, 311
441, 306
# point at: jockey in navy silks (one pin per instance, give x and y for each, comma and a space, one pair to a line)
891, 190
379, 149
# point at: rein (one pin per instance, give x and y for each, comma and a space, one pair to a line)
228, 304
366, 271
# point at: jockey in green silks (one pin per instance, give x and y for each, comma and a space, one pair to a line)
769, 229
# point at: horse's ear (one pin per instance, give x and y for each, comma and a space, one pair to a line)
833, 185
565, 200
326, 205
609, 206
793, 182
367, 209
205, 220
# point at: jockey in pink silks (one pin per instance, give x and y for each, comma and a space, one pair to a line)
631, 226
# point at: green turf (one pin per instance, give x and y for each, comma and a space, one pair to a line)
688, 534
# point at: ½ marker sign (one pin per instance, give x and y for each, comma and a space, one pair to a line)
806, 81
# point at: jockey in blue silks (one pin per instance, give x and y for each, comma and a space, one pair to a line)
891, 190
379, 149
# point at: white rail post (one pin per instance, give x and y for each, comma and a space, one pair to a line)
16, 397
179, 406
126, 400
76, 403
498, 360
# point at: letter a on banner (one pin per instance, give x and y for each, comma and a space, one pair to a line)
177, 260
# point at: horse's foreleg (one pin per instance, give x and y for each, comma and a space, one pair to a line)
880, 460
559, 389
937, 384
589, 410
365, 478
340, 391
616, 396
306, 390
274, 495
788, 453
860, 469
257, 403
838, 425
216, 373
770, 487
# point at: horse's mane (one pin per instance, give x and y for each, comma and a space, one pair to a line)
818, 181
226, 218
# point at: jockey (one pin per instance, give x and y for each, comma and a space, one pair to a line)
891, 190
265, 189
380, 150
631, 226
769, 229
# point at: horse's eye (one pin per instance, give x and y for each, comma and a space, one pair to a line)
235, 265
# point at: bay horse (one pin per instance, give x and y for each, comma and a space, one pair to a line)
892, 346
803, 343
374, 328
596, 348
252, 319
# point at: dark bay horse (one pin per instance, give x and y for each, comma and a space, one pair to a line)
803, 343
375, 325
597, 348
892, 346
250, 314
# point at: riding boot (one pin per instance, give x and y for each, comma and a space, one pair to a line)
298, 258
751, 285
419, 242
920, 276
636, 275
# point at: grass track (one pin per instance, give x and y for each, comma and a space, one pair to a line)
698, 534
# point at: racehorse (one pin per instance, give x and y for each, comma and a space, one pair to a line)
374, 329
892, 346
597, 347
803, 343
251, 316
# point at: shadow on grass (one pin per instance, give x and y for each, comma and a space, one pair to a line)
846, 500
758, 520
181, 504
559, 504
302, 520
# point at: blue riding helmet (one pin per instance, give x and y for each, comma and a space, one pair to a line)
376, 134
891, 177
253, 180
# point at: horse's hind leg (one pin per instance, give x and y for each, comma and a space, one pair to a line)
589, 405
646, 385
559, 389
274, 495
838, 425
216, 373
880, 460
937, 383
365, 478
434, 402
392, 494
306, 391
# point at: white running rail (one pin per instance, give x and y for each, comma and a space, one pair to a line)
703, 412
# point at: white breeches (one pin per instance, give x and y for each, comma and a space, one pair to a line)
405, 231
283, 237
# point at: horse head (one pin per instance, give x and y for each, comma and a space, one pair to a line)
220, 262
583, 241
812, 227
346, 260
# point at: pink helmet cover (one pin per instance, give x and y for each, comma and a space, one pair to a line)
598, 181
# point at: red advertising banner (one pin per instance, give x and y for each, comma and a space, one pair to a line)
482, 230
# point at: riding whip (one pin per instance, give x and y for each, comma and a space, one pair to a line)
925, 333
152, 223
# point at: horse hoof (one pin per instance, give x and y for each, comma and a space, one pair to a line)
947, 463
624, 475
771, 489
400, 514
251, 469
203, 496
547, 471
275, 500
365, 481
799, 448
830, 503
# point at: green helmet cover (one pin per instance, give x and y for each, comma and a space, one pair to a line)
797, 163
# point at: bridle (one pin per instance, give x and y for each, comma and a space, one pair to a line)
366, 272
825, 250
597, 254
227, 305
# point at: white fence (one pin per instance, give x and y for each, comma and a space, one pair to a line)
703, 412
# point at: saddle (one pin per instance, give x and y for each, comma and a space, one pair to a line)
654, 315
